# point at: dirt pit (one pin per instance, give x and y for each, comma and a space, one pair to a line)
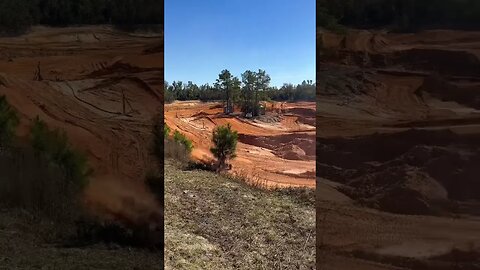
398, 148
268, 148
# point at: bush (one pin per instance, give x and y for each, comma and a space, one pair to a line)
166, 131
53, 146
177, 147
225, 144
8, 121
180, 138
176, 151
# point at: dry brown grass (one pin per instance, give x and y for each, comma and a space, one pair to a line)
218, 222
252, 179
176, 151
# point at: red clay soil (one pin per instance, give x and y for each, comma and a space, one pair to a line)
398, 148
88, 73
276, 149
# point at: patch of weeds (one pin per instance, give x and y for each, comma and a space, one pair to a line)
180, 138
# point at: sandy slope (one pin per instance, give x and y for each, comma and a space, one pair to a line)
102, 87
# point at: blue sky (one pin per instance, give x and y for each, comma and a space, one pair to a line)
204, 37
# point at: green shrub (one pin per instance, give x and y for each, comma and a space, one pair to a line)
166, 130
8, 121
180, 138
177, 147
225, 144
53, 146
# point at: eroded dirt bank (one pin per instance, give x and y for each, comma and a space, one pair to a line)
101, 86
398, 143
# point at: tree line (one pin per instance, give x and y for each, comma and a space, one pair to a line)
247, 92
399, 15
16, 16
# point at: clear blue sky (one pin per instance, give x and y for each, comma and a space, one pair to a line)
204, 37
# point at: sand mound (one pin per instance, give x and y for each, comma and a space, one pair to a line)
268, 119
402, 189
290, 151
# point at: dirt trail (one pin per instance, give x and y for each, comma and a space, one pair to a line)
276, 152
398, 132
102, 87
